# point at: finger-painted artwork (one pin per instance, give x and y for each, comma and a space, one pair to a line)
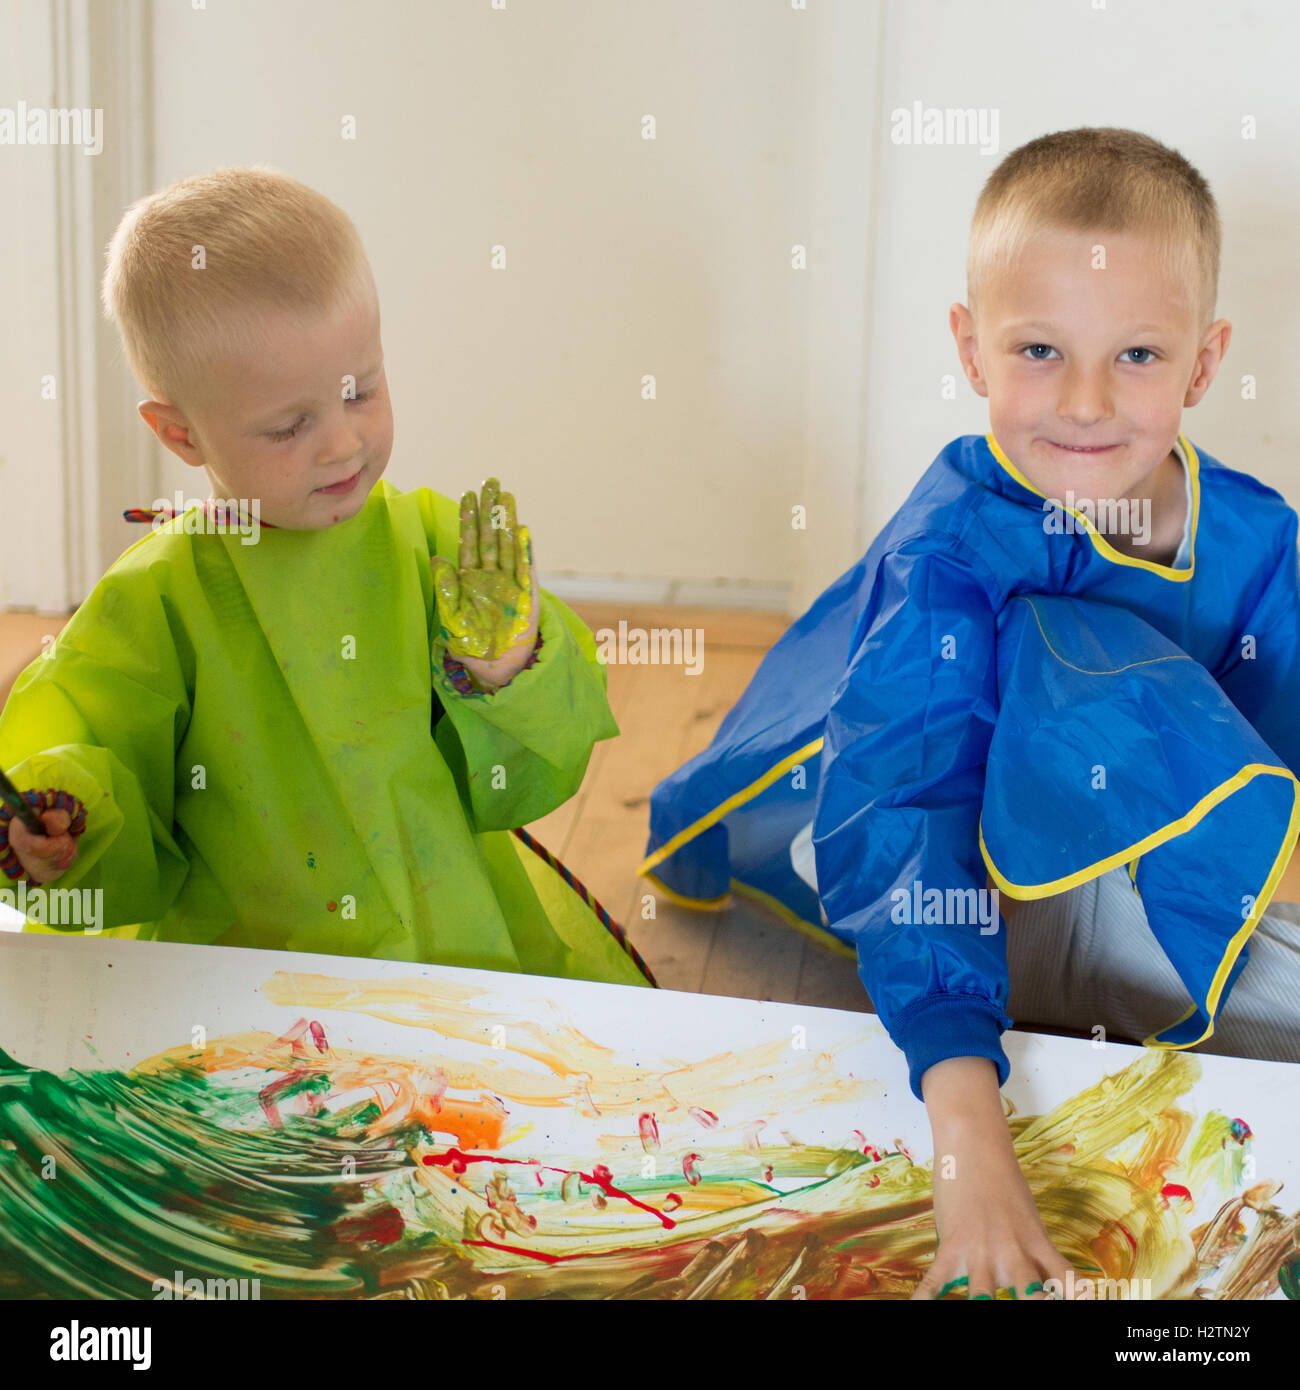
182, 1121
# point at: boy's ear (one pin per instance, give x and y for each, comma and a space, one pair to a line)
1213, 346
172, 429
962, 323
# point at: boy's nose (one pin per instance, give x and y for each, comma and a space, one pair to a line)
343, 440
1084, 399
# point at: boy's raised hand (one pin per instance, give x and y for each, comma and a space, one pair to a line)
488, 606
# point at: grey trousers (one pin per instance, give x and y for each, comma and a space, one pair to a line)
1088, 957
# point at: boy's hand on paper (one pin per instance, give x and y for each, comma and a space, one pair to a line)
990, 1234
44, 857
488, 606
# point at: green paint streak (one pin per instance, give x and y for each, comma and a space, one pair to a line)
1288, 1277
154, 1174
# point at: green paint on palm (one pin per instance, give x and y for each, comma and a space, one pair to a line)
485, 605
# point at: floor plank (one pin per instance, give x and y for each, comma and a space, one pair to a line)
666, 717
21, 637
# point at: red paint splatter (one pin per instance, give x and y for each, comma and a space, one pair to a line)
294, 1034
649, 1133
600, 1176
688, 1169
553, 1259
318, 1036
384, 1227
266, 1097
705, 1117
330, 907
1174, 1189
867, 1148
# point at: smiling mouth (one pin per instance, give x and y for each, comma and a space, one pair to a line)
346, 485
1084, 448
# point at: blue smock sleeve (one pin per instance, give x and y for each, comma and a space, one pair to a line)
1263, 676
902, 784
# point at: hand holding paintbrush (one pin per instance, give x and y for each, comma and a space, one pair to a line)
44, 841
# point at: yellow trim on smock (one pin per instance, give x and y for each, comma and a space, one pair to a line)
1103, 546
1166, 833
711, 818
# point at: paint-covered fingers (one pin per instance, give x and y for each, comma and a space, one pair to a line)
44, 857
941, 1279
525, 625
506, 532
1060, 1279
489, 526
1026, 1280
446, 583
980, 1284
1040, 1271
526, 578
467, 558
524, 559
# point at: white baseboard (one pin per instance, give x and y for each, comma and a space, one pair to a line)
692, 593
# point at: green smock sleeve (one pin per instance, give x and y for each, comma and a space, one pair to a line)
523, 750
99, 715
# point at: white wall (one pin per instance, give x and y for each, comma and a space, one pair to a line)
777, 387
523, 127
71, 453
1184, 71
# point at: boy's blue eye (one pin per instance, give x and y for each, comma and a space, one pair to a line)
1032, 348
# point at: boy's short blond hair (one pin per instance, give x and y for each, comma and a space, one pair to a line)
1102, 179
268, 243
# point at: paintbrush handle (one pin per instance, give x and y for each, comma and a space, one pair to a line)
20, 806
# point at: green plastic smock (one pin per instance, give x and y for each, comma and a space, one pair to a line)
271, 754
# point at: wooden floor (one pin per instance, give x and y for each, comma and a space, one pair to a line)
21, 638
665, 716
